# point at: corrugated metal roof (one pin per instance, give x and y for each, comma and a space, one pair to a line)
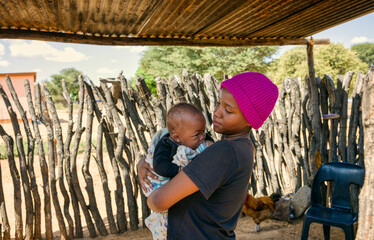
175, 22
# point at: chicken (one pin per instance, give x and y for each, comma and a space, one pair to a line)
259, 208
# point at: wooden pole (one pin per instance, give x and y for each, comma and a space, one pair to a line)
67, 165
110, 144
76, 185
366, 212
284, 121
22, 166
134, 41
342, 144
60, 158
330, 117
352, 150
46, 120
43, 165
100, 164
4, 217
16, 191
316, 116
30, 161
125, 168
92, 205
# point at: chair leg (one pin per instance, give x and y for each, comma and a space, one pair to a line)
305, 232
349, 233
326, 232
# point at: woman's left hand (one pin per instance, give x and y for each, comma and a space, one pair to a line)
144, 170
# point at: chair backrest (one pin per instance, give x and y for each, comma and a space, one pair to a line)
343, 175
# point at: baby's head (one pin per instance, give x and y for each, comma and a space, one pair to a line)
186, 125
255, 95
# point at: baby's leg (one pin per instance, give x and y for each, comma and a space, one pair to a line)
159, 182
157, 223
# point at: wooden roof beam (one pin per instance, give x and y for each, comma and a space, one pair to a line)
132, 41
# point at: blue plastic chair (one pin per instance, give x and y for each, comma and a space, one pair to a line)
340, 214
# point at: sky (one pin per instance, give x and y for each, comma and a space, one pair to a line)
95, 61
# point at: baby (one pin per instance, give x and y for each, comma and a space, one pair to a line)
171, 149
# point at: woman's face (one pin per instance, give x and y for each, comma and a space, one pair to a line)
227, 118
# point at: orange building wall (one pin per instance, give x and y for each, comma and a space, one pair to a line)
18, 81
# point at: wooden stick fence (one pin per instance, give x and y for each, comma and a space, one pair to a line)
290, 146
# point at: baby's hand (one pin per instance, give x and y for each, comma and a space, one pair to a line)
208, 143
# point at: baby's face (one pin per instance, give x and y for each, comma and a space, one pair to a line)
192, 132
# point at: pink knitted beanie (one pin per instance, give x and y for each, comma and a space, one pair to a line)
255, 94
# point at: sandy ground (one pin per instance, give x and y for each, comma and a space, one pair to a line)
271, 229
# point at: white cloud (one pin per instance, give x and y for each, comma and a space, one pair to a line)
4, 63
361, 39
22, 48
135, 49
68, 55
105, 70
2, 49
38, 70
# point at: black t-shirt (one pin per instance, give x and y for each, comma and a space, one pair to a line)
222, 175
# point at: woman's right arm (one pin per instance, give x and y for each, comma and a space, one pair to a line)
166, 196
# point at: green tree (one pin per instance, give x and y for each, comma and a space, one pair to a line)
333, 59
149, 80
168, 61
291, 63
365, 52
70, 75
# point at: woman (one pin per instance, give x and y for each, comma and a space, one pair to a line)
205, 199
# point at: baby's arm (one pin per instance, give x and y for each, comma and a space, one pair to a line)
162, 161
